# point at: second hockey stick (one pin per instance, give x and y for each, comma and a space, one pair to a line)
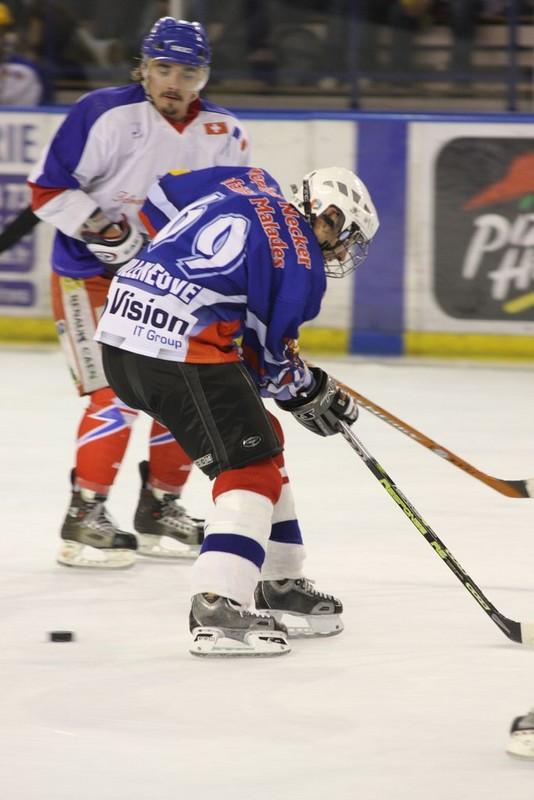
520, 632
519, 488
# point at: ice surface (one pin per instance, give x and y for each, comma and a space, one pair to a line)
413, 701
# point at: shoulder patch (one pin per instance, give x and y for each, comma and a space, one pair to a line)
215, 127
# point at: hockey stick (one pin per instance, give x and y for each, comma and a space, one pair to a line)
17, 228
520, 488
521, 632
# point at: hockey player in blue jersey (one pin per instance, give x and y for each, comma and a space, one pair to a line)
232, 260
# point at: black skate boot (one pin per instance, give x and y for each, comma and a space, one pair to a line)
89, 536
164, 529
521, 741
221, 627
297, 597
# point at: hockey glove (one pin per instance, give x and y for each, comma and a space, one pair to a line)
321, 409
115, 244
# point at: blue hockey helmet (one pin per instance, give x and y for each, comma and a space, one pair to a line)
177, 40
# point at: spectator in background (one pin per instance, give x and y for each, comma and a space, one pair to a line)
20, 81
463, 17
303, 56
51, 39
410, 16
229, 24
122, 23
272, 42
462, 21
405, 17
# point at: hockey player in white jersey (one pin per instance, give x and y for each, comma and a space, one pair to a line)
90, 183
232, 258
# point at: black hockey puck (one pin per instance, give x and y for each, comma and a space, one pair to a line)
61, 636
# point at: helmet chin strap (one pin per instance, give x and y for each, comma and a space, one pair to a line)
306, 202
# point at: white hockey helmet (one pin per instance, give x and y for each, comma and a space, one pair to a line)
339, 187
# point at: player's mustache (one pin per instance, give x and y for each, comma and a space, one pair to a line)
172, 95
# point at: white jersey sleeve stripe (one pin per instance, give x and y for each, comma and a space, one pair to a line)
68, 210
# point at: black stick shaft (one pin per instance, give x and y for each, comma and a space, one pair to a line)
17, 228
511, 629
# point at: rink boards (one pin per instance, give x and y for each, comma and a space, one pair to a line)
451, 270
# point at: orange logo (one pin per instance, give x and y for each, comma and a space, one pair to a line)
518, 181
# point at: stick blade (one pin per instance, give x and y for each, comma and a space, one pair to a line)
517, 488
527, 633
520, 632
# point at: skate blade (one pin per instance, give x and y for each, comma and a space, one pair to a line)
317, 625
165, 548
521, 745
83, 556
211, 643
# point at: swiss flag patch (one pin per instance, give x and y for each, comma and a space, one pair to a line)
215, 127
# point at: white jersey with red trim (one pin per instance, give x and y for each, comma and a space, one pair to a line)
109, 150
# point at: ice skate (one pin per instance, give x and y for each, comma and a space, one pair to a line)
295, 601
221, 627
521, 742
90, 538
164, 529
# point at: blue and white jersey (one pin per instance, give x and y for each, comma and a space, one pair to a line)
230, 258
109, 150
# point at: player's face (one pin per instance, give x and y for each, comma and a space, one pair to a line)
327, 228
171, 87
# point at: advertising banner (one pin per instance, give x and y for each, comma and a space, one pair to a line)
16, 264
484, 228
23, 268
451, 270
470, 250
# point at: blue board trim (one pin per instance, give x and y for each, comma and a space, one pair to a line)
378, 307
321, 113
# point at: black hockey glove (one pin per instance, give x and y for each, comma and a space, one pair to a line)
114, 251
325, 404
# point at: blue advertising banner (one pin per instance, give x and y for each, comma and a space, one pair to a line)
19, 258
